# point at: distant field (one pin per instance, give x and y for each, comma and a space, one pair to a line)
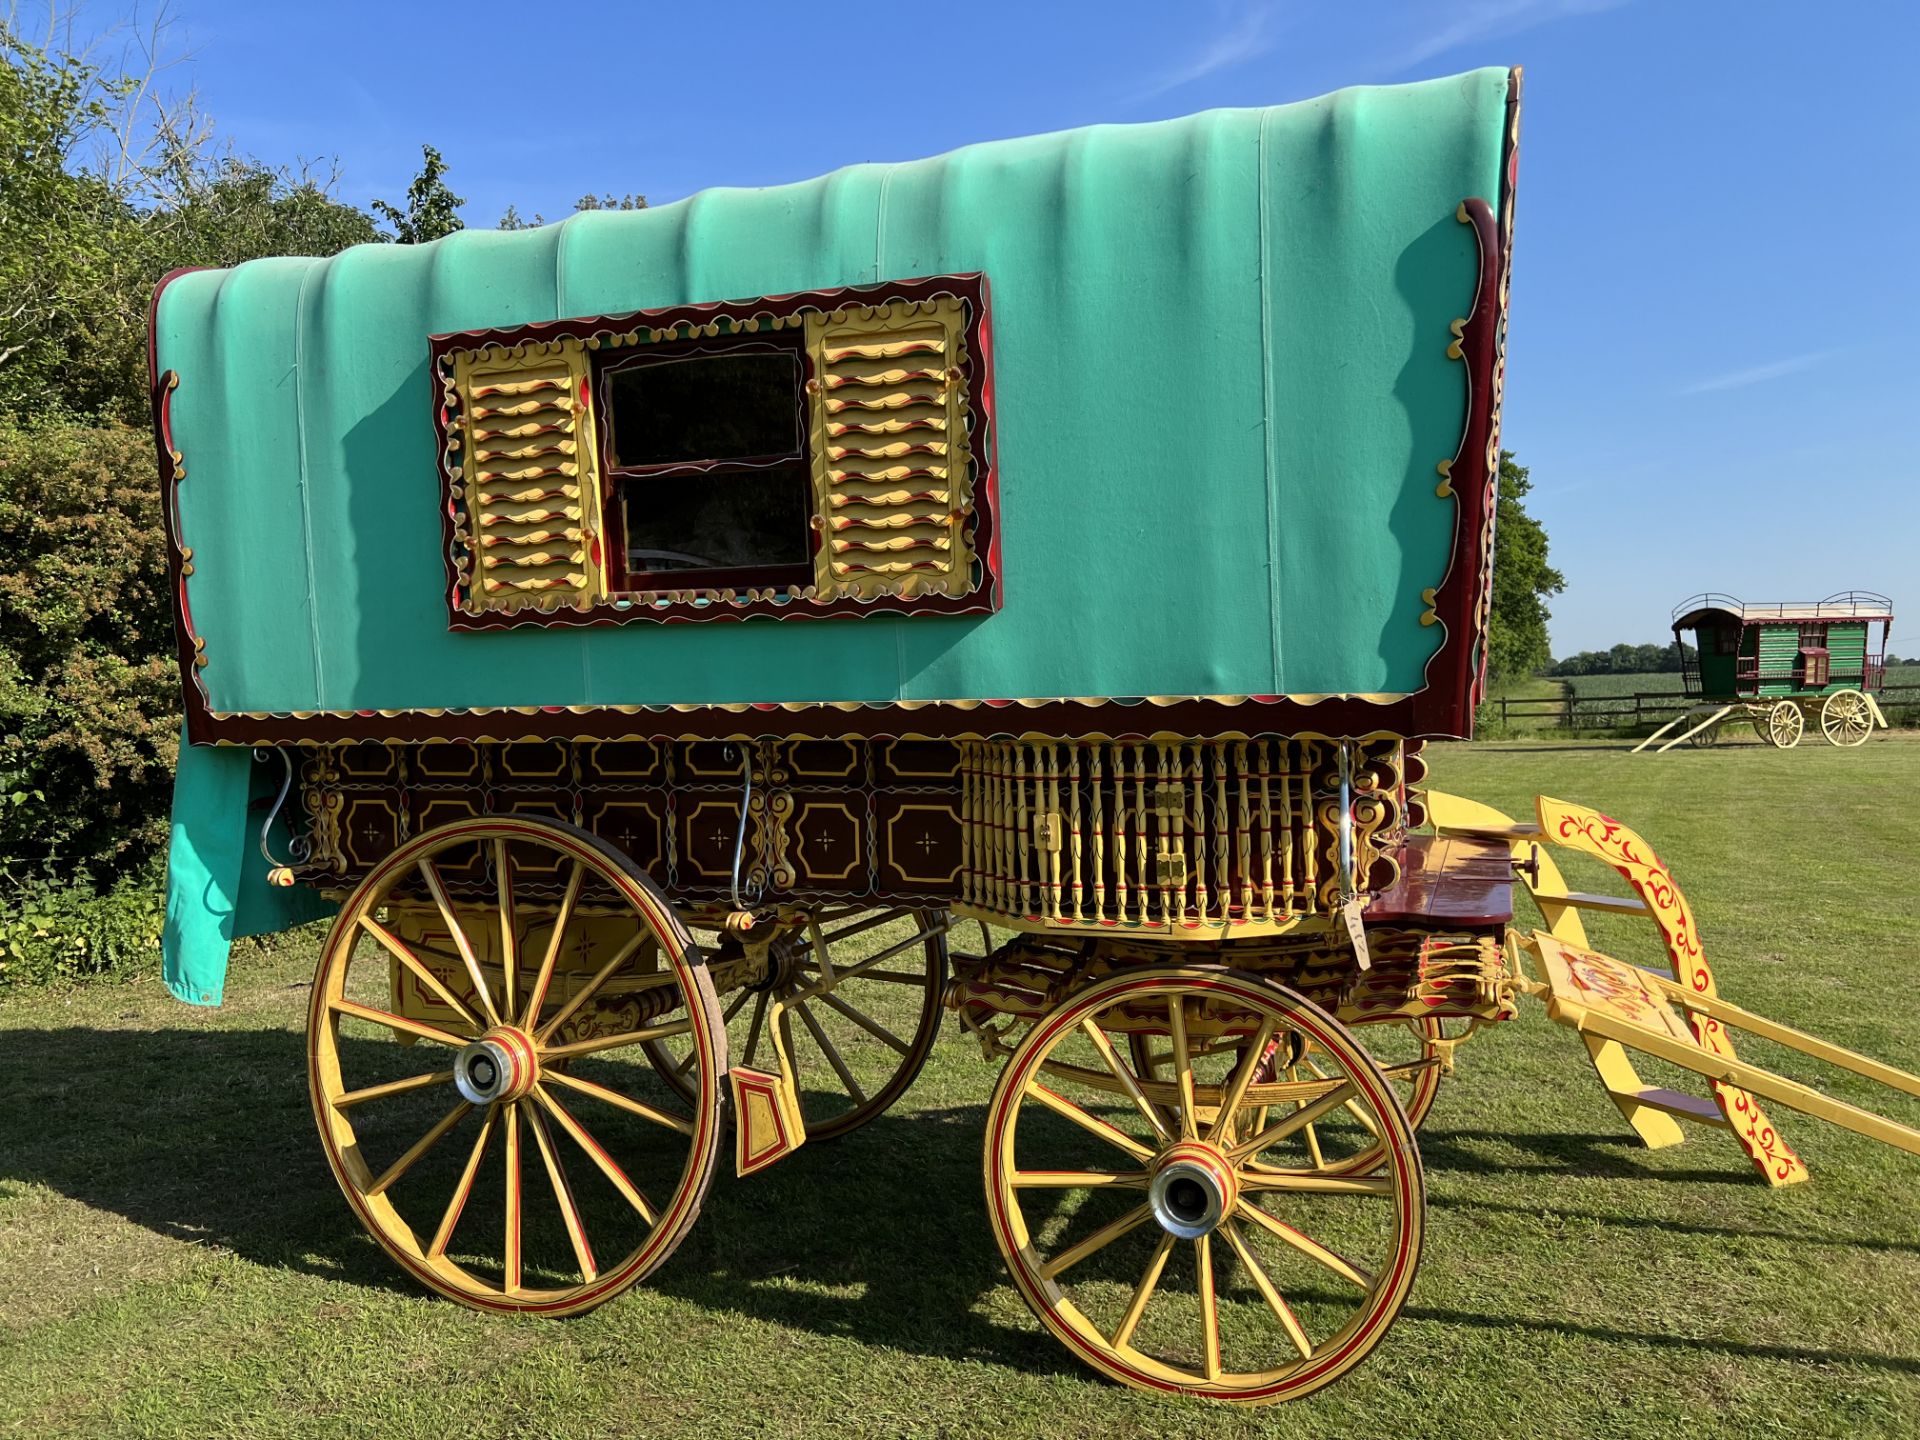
1584, 685
1600, 685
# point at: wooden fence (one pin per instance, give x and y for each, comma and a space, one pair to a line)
1576, 712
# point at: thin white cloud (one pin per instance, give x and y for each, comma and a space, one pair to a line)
1248, 29
1486, 20
1757, 374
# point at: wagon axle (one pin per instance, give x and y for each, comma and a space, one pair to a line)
501, 1066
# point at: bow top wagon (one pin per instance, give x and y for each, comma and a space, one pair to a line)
1781, 666
654, 637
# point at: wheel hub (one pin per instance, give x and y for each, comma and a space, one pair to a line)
500, 1066
1194, 1187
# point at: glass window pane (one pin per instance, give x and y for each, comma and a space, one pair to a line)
719, 522
706, 407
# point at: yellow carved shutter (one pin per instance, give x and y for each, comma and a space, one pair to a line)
892, 470
527, 504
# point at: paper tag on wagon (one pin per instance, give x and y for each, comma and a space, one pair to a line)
1356, 932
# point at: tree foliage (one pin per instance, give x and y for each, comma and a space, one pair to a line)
1625, 659
108, 181
106, 185
432, 209
513, 220
97, 202
1517, 641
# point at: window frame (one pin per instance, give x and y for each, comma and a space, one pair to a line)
623, 582
973, 588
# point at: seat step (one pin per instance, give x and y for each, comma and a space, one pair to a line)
1580, 900
1678, 1104
1521, 831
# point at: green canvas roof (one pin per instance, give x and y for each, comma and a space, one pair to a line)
1222, 380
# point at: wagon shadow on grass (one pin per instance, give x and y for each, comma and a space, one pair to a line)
879, 1238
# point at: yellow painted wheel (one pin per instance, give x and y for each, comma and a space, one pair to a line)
1405, 1053
475, 1065
863, 992
1784, 724
1175, 1232
1846, 719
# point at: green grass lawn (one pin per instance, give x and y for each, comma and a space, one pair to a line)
175, 1259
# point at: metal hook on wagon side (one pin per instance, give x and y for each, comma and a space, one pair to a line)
740, 903
298, 846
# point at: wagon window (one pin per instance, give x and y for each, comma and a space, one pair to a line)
705, 407
710, 484
1815, 662
827, 453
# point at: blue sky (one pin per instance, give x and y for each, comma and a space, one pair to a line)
1712, 369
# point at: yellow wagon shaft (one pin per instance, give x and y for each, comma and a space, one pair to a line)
1679, 1018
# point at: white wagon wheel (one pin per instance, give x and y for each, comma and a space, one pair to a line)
541, 961
1846, 719
1782, 724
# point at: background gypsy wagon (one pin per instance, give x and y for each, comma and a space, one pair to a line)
1784, 667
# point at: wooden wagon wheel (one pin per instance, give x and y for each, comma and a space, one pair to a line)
541, 961
1177, 1236
1407, 1055
1705, 739
866, 989
1846, 719
1782, 725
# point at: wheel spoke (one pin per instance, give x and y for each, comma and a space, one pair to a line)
1182, 1064
739, 1003
1093, 1124
437, 888
397, 1022
460, 1191
537, 996
1307, 1245
753, 1031
510, 1135
419, 1147
397, 948
595, 1044
1242, 1077
1283, 1312
1209, 1304
860, 927
1143, 1292
1298, 1120
392, 1087
1077, 1179
848, 972
1301, 1181
603, 1161
1314, 1155
1097, 1241
828, 1049
600, 977
615, 1098
1128, 1082
918, 982
823, 960
563, 1192
509, 956
1353, 1107
864, 1021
